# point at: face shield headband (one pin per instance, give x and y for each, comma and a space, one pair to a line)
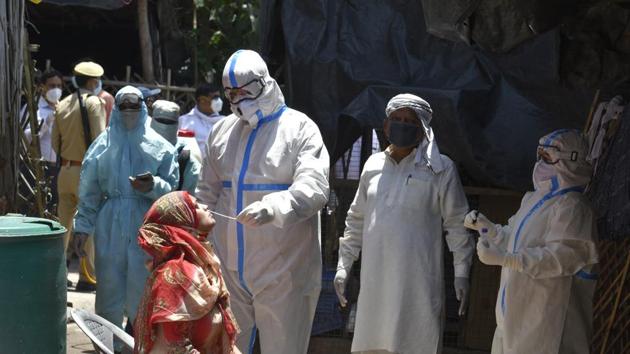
552, 155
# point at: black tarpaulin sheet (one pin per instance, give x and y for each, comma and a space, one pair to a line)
345, 59
99, 4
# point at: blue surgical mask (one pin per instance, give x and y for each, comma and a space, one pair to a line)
98, 88
404, 134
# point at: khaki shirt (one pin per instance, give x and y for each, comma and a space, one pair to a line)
68, 137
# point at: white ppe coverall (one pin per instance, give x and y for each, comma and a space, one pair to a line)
111, 210
545, 298
397, 221
275, 157
164, 122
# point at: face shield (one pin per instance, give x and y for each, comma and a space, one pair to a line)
129, 105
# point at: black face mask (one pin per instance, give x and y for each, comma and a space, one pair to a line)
404, 134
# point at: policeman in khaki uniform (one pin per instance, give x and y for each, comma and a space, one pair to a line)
70, 143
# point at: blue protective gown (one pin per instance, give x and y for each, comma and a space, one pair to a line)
112, 211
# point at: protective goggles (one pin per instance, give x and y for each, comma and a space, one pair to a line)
129, 102
552, 155
166, 121
250, 91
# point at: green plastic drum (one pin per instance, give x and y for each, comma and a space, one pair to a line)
32, 286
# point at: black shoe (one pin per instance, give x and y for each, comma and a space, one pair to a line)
85, 287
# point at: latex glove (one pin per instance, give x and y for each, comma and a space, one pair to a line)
255, 214
479, 222
491, 255
78, 243
142, 184
462, 287
341, 279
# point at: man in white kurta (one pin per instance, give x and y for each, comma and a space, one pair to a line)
547, 251
409, 199
268, 166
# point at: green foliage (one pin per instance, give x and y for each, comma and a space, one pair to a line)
223, 26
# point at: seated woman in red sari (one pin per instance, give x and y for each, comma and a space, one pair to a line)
185, 307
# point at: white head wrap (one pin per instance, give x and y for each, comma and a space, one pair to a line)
428, 149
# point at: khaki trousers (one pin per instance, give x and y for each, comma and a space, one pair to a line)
68, 190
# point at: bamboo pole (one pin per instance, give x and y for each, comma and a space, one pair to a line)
34, 149
148, 85
589, 118
194, 48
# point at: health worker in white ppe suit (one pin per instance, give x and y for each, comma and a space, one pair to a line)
409, 197
164, 122
266, 164
547, 252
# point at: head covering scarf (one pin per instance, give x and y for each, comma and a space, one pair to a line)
428, 150
166, 110
568, 173
186, 283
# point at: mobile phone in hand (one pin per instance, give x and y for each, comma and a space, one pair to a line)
144, 176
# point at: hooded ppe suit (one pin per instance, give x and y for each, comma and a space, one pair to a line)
547, 284
164, 122
397, 221
275, 157
112, 211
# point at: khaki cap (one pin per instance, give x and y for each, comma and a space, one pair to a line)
89, 68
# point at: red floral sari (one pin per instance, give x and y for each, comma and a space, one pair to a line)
185, 306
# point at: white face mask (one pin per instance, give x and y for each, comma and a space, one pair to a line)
130, 119
542, 172
217, 104
246, 110
53, 95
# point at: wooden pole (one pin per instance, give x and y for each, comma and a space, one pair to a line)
168, 84
146, 46
34, 149
194, 49
11, 60
589, 119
